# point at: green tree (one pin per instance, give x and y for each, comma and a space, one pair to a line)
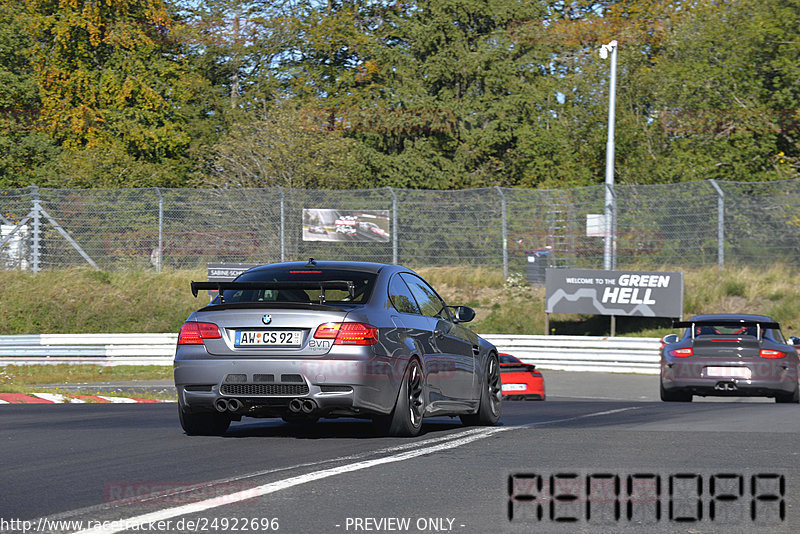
436, 93
281, 147
23, 150
112, 81
727, 92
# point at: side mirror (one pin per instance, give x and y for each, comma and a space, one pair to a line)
794, 340
670, 338
463, 314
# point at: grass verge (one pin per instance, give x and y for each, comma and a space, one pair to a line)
30, 378
19, 375
81, 300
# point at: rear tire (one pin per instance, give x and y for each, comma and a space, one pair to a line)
203, 424
406, 418
792, 398
675, 396
491, 397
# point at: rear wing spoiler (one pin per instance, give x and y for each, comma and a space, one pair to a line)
690, 324
321, 286
732, 323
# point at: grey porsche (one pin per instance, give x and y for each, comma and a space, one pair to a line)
729, 355
326, 339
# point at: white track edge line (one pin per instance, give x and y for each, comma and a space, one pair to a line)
228, 480
272, 487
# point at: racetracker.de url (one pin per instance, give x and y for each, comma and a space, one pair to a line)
201, 524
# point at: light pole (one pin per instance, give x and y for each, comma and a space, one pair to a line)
609, 250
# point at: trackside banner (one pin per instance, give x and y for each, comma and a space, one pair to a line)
622, 293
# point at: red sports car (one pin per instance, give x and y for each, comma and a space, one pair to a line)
520, 381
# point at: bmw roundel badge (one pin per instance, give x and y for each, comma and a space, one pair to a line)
266, 319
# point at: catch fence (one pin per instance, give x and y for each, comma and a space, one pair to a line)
518, 230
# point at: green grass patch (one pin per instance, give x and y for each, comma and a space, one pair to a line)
22, 375
463, 277
83, 300
86, 301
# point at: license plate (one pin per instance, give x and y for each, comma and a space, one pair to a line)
268, 338
728, 372
514, 387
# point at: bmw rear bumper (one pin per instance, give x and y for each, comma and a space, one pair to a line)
266, 387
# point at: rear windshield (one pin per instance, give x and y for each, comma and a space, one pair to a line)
729, 330
362, 282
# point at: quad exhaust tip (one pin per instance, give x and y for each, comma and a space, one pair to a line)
225, 405
295, 406
309, 406
305, 406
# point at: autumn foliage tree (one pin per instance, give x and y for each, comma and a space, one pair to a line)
110, 75
408, 94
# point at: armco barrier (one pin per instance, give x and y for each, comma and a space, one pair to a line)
583, 353
103, 349
568, 353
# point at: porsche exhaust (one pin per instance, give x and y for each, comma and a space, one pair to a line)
725, 386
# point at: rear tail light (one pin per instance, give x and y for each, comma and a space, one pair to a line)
681, 353
348, 333
772, 354
193, 333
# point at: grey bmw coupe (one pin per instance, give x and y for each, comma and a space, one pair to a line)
729, 355
305, 340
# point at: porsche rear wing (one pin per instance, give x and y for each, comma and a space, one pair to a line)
321, 286
760, 326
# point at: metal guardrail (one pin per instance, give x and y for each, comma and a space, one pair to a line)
566, 353
102, 349
583, 353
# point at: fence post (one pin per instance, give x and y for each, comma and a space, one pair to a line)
160, 257
36, 211
283, 224
720, 223
505, 230
394, 225
610, 245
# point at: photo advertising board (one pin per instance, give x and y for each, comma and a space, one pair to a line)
369, 226
615, 293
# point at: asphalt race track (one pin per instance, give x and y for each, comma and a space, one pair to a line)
602, 454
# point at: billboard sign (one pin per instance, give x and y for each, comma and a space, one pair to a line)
619, 293
370, 226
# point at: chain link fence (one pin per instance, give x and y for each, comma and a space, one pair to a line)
676, 225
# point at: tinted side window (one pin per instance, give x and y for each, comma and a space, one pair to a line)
429, 302
775, 335
401, 296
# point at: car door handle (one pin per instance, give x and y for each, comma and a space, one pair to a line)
476, 350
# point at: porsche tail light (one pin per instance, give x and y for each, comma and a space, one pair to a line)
771, 354
348, 333
193, 333
681, 353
